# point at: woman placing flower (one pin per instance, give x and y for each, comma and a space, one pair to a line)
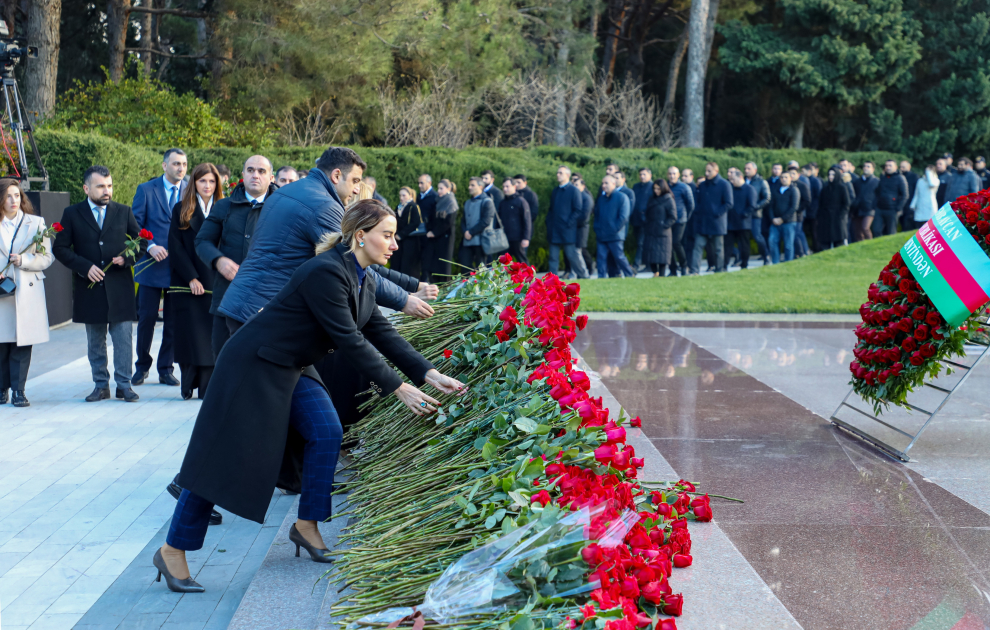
26, 253
267, 419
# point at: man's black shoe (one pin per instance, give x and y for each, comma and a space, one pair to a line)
100, 393
129, 395
138, 378
216, 518
3, 397
166, 378
19, 399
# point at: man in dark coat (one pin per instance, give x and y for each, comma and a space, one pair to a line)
522, 187
907, 218
642, 191
964, 181
740, 216
687, 178
478, 216
584, 227
810, 172
566, 210
153, 203
980, 168
612, 212
891, 196
684, 202
762, 189
490, 189
92, 239
865, 205
224, 239
944, 177
803, 186
783, 218
711, 224
296, 218
426, 200
516, 220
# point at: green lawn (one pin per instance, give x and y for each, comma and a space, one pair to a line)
829, 282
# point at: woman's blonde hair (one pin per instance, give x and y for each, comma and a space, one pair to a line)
449, 185
364, 192
409, 191
365, 214
846, 177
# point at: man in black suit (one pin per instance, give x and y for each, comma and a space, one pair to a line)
90, 244
490, 189
427, 199
522, 187
865, 205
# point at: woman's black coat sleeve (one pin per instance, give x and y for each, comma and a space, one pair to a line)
179, 258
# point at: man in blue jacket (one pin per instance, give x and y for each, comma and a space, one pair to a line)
294, 220
642, 192
740, 216
566, 210
684, 201
611, 220
153, 203
711, 223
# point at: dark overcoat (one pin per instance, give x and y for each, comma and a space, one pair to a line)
661, 214
82, 244
566, 210
833, 213
191, 313
242, 446
408, 258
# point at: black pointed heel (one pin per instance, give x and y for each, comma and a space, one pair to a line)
317, 555
187, 585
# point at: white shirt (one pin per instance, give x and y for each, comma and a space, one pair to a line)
205, 207
260, 199
421, 195
168, 190
7, 228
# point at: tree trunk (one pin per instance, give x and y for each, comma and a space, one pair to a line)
697, 64
762, 135
560, 110
797, 140
617, 12
117, 14
674, 73
44, 18
147, 21
220, 49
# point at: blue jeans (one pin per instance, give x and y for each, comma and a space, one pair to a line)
615, 249
788, 230
313, 416
757, 233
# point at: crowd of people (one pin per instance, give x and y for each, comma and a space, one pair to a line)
203, 228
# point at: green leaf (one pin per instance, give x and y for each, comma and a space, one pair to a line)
534, 468
488, 451
490, 522
519, 498
478, 444
525, 424
461, 502
499, 514
542, 429
474, 490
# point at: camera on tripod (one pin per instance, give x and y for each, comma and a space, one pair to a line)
11, 52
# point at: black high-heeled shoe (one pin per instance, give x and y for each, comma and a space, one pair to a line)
187, 585
316, 554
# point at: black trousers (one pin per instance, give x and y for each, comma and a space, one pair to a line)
195, 377
148, 299
233, 325
678, 259
471, 257
220, 335
14, 363
517, 252
739, 238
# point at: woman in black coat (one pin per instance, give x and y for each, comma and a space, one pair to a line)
661, 215
192, 341
410, 250
267, 420
833, 212
440, 230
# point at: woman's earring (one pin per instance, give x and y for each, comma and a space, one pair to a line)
361, 244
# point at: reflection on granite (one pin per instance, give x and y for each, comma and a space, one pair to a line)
843, 536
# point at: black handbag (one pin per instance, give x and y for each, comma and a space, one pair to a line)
494, 240
421, 228
7, 285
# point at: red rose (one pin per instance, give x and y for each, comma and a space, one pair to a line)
651, 592
703, 513
542, 497
146, 235
501, 335
582, 321
919, 313
905, 324
928, 350
912, 296
636, 422
57, 227
884, 375
933, 319
909, 344
666, 624
505, 259
921, 333
682, 560
917, 359
983, 227
672, 605
447, 354
592, 555
971, 217
572, 289
986, 239
904, 272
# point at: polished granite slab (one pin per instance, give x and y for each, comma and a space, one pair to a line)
843, 536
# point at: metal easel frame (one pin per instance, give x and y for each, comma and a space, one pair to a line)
887, 448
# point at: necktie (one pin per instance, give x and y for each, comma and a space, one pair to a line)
254, 203
100, 219
172, 197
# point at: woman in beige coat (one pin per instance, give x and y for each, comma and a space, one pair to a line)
23, 315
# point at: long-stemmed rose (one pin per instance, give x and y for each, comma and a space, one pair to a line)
132, 245
38, 241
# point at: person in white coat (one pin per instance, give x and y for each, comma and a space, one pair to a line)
24, 314
924, 203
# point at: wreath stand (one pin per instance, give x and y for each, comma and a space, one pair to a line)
947, 395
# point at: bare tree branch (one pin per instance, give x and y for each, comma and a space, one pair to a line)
154, 51
180, 12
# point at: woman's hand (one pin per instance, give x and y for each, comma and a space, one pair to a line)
445, 384
778, 221
196, 287
430, 235
418, 402
15, 259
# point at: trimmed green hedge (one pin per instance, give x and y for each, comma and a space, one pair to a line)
68, 154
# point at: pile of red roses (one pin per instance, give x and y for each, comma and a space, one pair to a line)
633, 577
903, 338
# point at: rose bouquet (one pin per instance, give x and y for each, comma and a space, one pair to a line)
132, 245
903, 339
527, 444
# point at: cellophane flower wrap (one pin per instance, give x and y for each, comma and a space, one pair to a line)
527, 449
903, 339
